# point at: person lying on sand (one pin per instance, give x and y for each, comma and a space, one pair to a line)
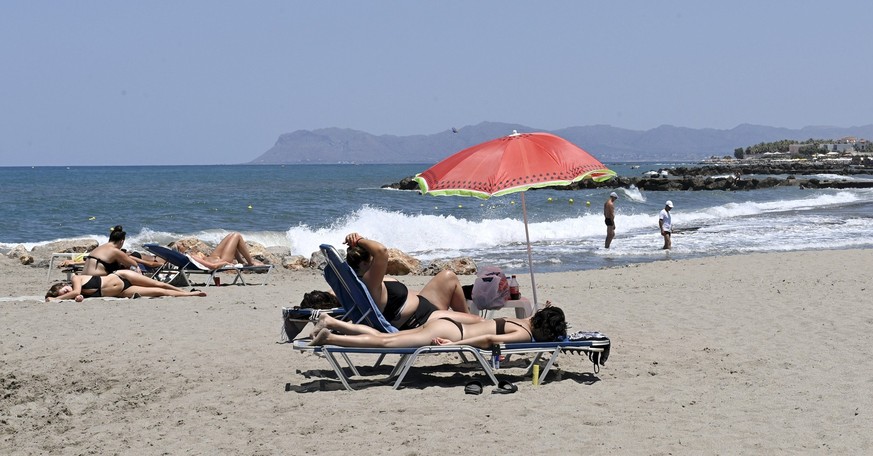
123, 284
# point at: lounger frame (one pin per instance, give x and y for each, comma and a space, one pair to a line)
179, 264
360, 308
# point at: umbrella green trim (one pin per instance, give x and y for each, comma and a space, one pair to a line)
597, 175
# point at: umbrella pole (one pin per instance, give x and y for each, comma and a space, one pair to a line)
533, 283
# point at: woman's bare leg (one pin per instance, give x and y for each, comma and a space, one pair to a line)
445, 292
326, 321
234, 248
140, 280
418, 337
152, 292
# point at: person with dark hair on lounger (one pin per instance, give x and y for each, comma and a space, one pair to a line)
403, 308
231, 250
121, 284
109, 257
546, 325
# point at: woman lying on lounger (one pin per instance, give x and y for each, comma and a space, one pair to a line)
403, 308
546, 325
231, 250
121, 284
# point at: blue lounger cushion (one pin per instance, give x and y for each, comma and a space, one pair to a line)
352, 293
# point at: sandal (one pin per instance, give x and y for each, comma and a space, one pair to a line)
473, 387
504, 387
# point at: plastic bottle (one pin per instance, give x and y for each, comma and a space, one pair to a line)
514, 292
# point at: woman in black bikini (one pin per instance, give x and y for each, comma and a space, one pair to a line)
108, 258
405, 309
122, 284
546, 325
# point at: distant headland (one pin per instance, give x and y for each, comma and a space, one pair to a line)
607, 143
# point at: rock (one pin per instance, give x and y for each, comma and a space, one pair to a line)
21, 254
400, 263
460, 266
318, 261
295, 262
407, 183
192, 244
45, 251
262, 254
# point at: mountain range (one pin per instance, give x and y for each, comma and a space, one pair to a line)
607, 143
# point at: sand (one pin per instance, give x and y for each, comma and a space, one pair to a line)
752, 354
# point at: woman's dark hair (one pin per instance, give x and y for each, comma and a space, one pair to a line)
357, 255
117, 234
317, 299
55, 289
548, 324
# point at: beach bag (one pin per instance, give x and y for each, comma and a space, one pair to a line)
491, 289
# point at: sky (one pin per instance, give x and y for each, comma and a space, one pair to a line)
216, 82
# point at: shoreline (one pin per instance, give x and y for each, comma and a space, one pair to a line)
753, 353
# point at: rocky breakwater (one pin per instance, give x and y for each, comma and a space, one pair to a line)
733, 176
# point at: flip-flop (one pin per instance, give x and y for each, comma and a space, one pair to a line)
473, 387
504, 387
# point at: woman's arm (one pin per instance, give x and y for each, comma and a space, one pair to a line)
150, 263
121, 257
75, 293
375, 274
487, 340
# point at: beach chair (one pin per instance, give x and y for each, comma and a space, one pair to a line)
360, 308
358, 305
183, 266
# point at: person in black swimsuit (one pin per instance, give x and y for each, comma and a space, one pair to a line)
121, 284
403, 309
108, 258
546, 325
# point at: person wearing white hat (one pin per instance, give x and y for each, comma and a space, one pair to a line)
666, 224
609, 216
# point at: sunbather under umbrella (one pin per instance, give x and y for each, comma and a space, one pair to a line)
510, 164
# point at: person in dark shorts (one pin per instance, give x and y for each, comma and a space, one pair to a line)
665, 223
609, 216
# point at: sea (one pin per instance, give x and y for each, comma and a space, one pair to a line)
299, 207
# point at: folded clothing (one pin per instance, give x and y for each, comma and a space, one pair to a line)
598, 358
587, 335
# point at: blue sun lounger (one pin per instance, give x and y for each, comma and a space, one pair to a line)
180, 264
359, 307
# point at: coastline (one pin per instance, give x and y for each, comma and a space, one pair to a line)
758, 353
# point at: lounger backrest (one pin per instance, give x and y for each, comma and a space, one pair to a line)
174, 257
352, 293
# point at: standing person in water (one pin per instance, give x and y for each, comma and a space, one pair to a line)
609, 217
665, 222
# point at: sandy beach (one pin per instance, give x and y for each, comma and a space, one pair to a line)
752, 354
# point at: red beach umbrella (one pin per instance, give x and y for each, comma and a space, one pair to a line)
510, 164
